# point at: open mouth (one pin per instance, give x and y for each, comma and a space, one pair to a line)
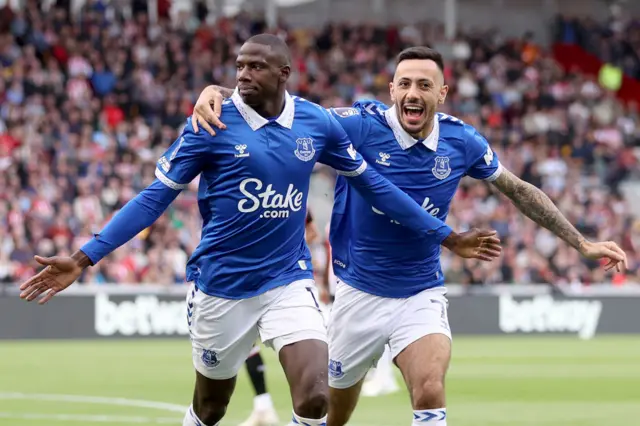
413, 113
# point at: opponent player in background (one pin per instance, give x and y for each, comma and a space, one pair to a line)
391, 287
264, 413
251, 273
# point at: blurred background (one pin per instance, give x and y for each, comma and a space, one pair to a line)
92, 92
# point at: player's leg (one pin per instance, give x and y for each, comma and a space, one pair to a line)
222, 334
263, 412
421, 347
304, 364
294, 327
342, 403
358, 331
210, 401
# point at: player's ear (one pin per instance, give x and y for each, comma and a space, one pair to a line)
392, 92
443, 94
285, 72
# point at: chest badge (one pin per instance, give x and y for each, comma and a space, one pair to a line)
442, 169
304, 149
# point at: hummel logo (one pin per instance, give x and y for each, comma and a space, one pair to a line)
241, 151
383, 159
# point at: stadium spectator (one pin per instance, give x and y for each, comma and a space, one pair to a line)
87, 107
615, 40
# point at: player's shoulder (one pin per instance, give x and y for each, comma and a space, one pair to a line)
306, 107
452, 127
365, 113
200, 140
371, 109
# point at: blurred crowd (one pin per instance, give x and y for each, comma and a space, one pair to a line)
615, 41
88, 106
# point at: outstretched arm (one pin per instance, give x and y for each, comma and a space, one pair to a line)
537, 206
182, 162
483, 164
135, 216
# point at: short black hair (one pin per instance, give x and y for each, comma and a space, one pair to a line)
423, 53
276, 44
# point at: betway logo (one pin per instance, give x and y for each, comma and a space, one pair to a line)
144, 316
543, 314
275, 205
427, 205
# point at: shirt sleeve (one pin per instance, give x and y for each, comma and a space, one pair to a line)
185, 158
482, 162
138, 214
339, 152
182, 162
351, 121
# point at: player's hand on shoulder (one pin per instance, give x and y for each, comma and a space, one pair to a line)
478, 244
207, 110
60, 273
608, 250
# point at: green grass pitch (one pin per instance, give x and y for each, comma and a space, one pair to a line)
559, 381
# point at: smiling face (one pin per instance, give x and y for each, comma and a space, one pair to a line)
417, 89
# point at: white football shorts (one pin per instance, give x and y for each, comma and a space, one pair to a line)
223, 331
361, 324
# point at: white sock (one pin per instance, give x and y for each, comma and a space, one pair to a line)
297, 420
190, 419
434, 417
262, 402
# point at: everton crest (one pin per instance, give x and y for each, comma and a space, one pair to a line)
335, 369
305, 150
442, 169
210, 358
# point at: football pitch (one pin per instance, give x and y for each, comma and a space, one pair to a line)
492, 381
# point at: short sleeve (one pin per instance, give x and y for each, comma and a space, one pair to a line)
339, 152
482, 162
185, 158
352, 122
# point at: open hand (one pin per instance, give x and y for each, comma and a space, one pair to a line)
59, 274
207, 110
608, 250
475, 244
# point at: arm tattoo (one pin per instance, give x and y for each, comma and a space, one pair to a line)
537, 206
224, 91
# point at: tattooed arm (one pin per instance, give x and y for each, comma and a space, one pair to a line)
537, 206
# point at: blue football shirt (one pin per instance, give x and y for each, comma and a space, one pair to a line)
374, 253
254, 181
